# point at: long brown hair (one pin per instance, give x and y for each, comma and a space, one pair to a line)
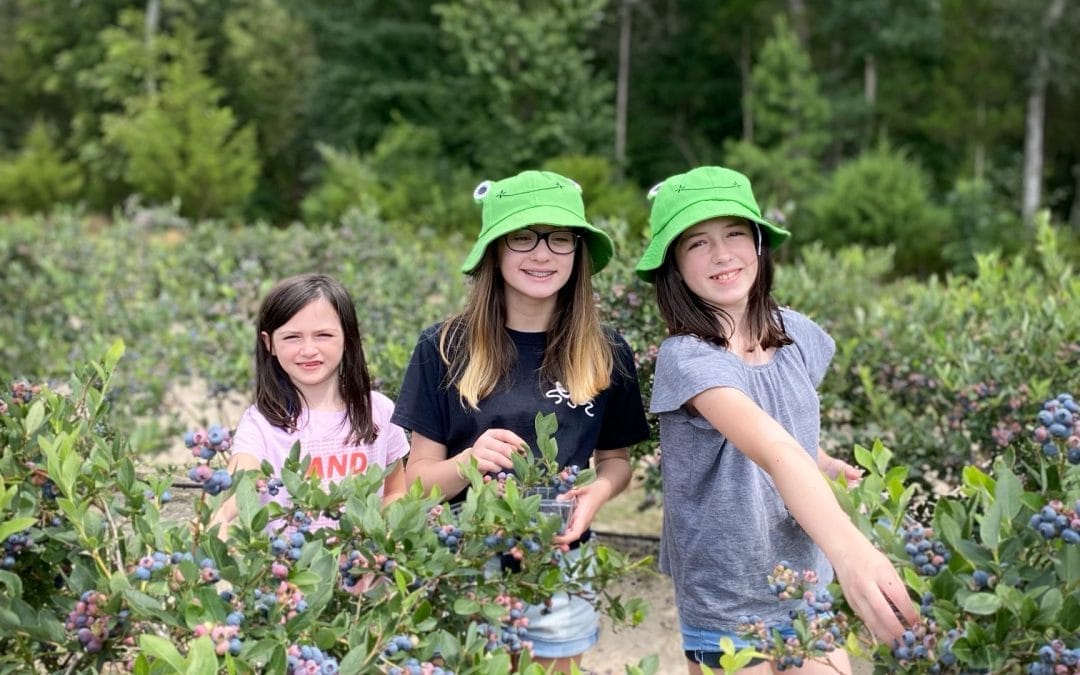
686, 313
479, 353
276, 397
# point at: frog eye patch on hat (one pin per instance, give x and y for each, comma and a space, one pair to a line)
701, 194
534, 198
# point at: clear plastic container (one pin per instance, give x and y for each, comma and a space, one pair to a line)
552, 502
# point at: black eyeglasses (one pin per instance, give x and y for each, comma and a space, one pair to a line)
558, 241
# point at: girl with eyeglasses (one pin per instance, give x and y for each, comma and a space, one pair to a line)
529, 340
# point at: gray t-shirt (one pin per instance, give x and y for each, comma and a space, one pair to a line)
725, 525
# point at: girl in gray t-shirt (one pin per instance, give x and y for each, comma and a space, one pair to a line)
736, 393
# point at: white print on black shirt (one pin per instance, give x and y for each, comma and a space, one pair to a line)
559, 394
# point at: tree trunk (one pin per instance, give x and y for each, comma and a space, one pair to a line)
980, 142
745, 69
797, 8
1074, 212
153, 18
1035, 120
622, 89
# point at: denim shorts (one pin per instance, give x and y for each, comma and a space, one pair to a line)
702, 645
569, 626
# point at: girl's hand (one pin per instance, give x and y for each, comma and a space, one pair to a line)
493, 449
876, 593
589, 500
834, 467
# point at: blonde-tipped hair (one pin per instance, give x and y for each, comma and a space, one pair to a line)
479, 353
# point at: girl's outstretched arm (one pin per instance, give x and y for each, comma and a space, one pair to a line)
226, 513
869, 581
429, 464
612, 476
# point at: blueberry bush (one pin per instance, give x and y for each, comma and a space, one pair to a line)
936, 369
97, 574
995, 569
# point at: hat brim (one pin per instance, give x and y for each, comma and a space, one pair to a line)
698, 212
598, 243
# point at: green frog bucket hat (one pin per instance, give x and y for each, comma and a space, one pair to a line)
689, 198
534, 198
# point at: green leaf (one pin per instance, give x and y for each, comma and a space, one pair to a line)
864, 458
14, 525
466, 607
982, 603
34, 417
201, 657
1051, 603
159, 647
1008, 490
1069, 616
990, 528
113, 355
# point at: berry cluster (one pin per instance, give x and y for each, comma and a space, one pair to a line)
565, 479
925, 646
400, 643
287, 596
22, 392
206, 443
1056, 659
212, 480
513, 631
928, 555
824, 628
13, 546
272, 486
89, 621
449, 535
414, 667
226, 637
309, 660
1054, 520
166, 496
1059, 421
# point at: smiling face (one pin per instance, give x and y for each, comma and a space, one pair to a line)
534, 277
718, 261
309, 347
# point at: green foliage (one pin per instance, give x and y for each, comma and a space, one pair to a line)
268, 71
403, 179
789, 116
39, 176
880, 198
538, 95
981, 223
180, 142
346, 182
98, 569
1030, 592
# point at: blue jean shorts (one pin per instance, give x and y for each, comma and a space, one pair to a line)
702, 645
569, 626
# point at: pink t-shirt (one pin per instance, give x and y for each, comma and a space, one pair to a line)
322, 436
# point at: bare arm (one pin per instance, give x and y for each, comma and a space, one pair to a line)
612, 476
867, 577
429, 464
226, 512
394, 486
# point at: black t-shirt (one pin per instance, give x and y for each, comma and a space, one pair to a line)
615, 418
